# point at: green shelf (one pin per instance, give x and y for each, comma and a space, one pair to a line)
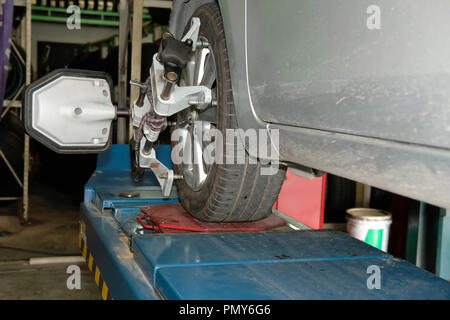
88, 17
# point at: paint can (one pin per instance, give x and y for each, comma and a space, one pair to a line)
370, 225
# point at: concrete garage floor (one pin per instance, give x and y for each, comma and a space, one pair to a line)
52, 231
21, 281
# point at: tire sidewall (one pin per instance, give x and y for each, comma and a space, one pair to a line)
196, 201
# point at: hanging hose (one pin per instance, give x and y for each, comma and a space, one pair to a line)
151, 119
154, 122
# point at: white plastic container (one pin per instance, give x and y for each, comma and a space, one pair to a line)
370, 225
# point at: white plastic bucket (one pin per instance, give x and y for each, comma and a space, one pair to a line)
370, 225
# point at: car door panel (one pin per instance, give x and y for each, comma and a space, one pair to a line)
320, 64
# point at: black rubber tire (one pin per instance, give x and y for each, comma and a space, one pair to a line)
12, 144
236, 192
137, 173
16, 75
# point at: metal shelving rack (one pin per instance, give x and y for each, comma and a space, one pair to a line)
124, 30
25, 38
88, 17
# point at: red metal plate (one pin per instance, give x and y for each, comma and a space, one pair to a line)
172, 217
303, 199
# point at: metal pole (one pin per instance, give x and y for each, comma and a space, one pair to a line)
124, 21
26, 153
443, 246
136, 54
420, 257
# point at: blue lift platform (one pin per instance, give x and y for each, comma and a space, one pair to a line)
130, 262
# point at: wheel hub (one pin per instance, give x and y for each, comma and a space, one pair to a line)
199, 121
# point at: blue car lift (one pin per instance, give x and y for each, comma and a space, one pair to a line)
129, 262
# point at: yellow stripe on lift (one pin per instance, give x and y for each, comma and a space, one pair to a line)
104, 291
83, 227
85, 250
97, 275
80, 240
90, 261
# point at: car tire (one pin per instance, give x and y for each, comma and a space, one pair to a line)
12, 144
231, 192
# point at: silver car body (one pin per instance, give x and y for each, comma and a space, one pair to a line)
364, 99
